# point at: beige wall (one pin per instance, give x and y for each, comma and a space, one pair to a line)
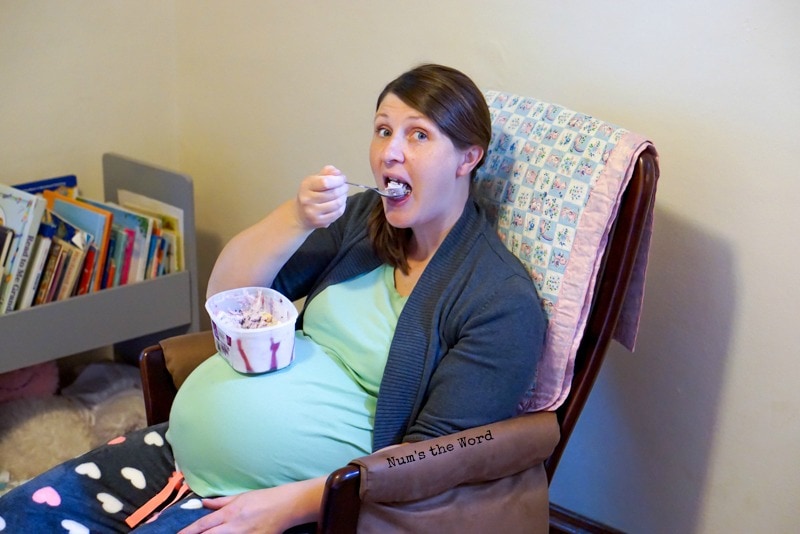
695, 432
82, 77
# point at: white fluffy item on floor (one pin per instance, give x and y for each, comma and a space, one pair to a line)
36, 434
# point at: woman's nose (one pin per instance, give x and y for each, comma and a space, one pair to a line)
393, 150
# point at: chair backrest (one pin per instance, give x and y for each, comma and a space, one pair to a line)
572, 198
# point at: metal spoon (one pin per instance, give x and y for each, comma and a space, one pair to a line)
390, 192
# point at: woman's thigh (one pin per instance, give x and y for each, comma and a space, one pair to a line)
93, 492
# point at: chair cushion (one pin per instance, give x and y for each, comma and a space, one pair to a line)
552, 182
185, 352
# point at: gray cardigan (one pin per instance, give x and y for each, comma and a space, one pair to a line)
468, 339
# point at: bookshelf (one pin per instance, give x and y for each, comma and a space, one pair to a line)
129, 317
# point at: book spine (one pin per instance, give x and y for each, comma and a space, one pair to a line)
163, 258
124, 275
119, 256
58, 276
108, 268
158, 260
152, 258
72, 271
112, 271
6, 238
85, 280
34, 277
48, 274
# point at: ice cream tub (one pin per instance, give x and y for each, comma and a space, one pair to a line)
253, 328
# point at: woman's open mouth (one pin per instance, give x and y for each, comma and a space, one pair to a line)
398, 189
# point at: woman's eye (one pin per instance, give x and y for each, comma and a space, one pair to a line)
420, 136
382, 131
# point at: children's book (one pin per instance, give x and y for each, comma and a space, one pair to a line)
111, 265
48, 279
85, 281
67, 231
90, 218
36, 267
122, 240
6, 237
64, 230
170, 217
65, 185
122, 275
170, 261
22, 212
72, 270
58, 275
159, 266
142, 225
152, 257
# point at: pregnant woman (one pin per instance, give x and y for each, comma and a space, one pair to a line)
417, 323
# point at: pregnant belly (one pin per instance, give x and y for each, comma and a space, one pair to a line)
232, 433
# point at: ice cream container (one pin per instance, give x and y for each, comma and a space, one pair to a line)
253, 328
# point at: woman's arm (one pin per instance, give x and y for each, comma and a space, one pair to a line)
484, 375
254, 256
267, 510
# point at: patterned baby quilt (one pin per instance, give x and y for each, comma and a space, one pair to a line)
552, 182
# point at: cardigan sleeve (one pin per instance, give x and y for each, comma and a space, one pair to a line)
316, 256
484, 374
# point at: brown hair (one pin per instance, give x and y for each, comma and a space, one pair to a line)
455, 104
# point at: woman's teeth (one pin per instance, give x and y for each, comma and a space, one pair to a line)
394, 185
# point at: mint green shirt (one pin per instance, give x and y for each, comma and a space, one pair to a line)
232, 432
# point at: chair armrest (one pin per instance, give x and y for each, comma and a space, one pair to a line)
185, 352
420, 470
165, 366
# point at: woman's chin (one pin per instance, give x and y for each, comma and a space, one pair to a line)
397, 220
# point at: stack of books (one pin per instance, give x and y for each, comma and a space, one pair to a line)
56, 244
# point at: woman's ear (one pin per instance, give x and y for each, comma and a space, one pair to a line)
471, 157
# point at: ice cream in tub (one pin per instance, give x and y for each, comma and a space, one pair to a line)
253, 328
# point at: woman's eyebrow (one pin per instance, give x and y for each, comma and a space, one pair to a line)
408, 118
